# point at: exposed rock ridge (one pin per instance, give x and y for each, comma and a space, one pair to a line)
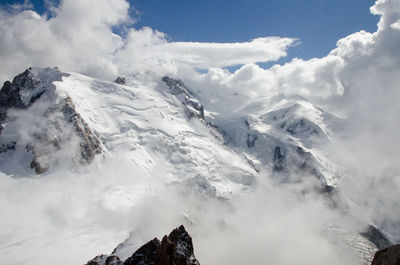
192, 106
376, 237
7, 146
14, 94
174, 249
89, 144
27, 87
387, 256
273, 150
60, 117
120, 80
58, 125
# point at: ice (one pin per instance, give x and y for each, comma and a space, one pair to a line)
74, 212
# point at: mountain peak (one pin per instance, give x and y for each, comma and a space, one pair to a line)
28, 86
174, 249
55, 124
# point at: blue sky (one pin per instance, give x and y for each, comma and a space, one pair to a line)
317, 23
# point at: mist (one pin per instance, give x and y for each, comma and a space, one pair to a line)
79, 213
104, 205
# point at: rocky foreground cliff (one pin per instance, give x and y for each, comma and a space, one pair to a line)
174, 249
387, 256
177, 249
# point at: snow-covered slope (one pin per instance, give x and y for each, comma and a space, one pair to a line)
151, 121
121, 142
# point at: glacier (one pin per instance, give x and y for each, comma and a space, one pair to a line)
87, 163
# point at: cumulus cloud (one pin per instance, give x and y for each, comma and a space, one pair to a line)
273, 224
389, 12
80, 37
358, 80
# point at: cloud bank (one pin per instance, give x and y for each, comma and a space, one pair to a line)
358, 80
79, 37
272, 224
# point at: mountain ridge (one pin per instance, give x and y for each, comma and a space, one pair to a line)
168, 133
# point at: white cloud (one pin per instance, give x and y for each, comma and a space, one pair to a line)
389, 11
150, 50
358, 79
396, 25
17, 7
207, 55
79, 37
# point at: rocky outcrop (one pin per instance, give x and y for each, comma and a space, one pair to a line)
8, 146
279, 158
251, 140
63, 124
375, 236
15, 94
105, 260
387, 256
177, 249
174, 249
146, 254
89, 143
27, 87
120, 80
57, 126
192, 106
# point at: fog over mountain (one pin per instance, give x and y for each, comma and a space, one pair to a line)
297, 163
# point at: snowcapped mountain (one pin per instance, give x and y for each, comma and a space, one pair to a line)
161, 130
160, 118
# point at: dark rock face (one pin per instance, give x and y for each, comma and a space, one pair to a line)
37, 166
179, 90
10, 94
178, 247
177, 86
375, 236
174, 249
387, 256
90, 144
19, 94
251, 140
192, 107
59, 124
25, 89
120, 80
146, 254
279, 159
301, 126
8, 146
105, 260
